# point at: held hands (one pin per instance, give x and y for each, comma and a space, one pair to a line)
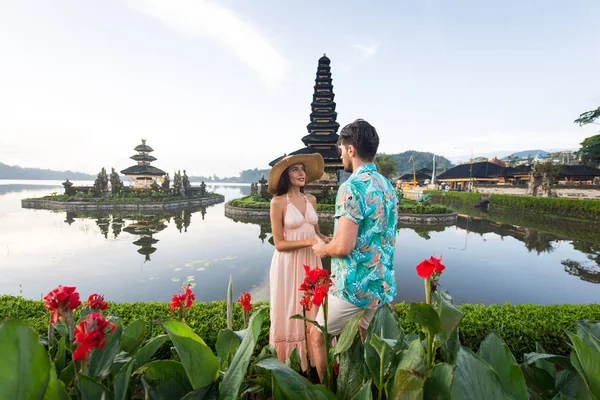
319, 247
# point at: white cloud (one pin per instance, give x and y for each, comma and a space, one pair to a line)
205, 18
369, 50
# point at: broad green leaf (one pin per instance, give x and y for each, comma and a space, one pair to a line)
55, 389
450, 317
424, 315
450, 349
206, 393
310, 321
25, 368
475, 379
414, 358
438, 384
406, 386
145, 354
496, 353
566, 383
347, 336
538, 379
535, 358
133, 336
352, 371
227, 344
234, 376
201, 365
365, 392
294, 361
589, 332
121, 384
589, 362
92, 390
546, 365
381, 366
60, 360
68, 374
292, 384
100, 361
165, 380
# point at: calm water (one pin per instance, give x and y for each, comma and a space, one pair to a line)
149, 255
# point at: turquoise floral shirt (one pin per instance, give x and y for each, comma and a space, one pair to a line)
365, 277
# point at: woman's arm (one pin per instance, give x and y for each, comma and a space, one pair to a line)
277, 214
313, 201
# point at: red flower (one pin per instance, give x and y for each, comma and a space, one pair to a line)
96, 301
336, 368
429, 267
315, 287
245, 300
180, 300
90, 333
60, 299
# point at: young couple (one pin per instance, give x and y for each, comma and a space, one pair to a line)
361, 250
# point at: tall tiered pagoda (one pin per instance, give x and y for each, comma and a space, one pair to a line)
322, 129
143, 174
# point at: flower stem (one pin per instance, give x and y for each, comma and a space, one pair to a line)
181, 313
306, 343
327, 337
427, 290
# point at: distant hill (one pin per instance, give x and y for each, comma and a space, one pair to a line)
15, 172
527, 154
246, 176
422, 160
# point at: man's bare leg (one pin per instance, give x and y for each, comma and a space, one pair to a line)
318, 344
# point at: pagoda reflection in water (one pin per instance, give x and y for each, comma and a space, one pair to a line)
142, 225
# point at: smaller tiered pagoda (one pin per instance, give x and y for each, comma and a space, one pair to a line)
143, 174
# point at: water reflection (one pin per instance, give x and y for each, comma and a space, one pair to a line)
140, 225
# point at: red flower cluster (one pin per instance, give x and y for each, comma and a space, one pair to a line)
432, 266
315, 286
96, 301
60, 299
245, 300
184, 299
91, 333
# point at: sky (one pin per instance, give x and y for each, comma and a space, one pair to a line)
217, 87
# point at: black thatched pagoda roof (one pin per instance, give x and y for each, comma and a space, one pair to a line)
328, 155
143, 170
144, 148
419, 176
583, 172
143, 157
475, 170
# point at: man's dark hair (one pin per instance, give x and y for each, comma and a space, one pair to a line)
362, 136
284, 183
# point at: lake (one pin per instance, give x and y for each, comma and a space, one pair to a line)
149, 255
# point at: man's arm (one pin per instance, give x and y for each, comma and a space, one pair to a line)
343, 241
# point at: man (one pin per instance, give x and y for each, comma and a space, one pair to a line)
362, 248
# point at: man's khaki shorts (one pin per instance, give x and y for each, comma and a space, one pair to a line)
339, 312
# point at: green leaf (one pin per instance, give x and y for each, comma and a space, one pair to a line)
380, 366
292, 384
450, 349
234, 376
546, 365
365, 392
144, 355
92, 390
424, 315
450, 317
294, 361
25, 368
227, 344
230, 304
589, 333
133, 336
352, 371
121, 384
538, 379
566, 383
535, 358
405, 385
496, 353
68, 374
589, 362
347, 336
165, 380
56, 389
100, 361
310, 321
201, 365
60, 360
475, 379
439, 383
206, 393
414, 358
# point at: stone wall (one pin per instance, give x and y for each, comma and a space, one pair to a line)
106, 206
256, 213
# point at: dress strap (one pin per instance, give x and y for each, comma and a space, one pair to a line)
287, 199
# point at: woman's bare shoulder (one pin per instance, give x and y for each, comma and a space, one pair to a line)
311, 198
278, 200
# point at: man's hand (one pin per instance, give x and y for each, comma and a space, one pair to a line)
319, 249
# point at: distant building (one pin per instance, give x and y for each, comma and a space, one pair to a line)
143, 174
322, 130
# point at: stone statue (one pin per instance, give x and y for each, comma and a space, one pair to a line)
68, 188
202, 189
253, 189
263, 186
186, 184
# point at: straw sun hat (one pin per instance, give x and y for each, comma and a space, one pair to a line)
313, 163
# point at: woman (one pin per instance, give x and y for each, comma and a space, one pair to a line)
294, 225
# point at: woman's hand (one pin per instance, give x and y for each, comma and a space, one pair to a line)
326, 239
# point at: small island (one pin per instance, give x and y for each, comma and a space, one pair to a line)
150, 188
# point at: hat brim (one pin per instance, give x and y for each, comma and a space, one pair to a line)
313, 163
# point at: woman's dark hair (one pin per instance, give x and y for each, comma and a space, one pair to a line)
362, 136
284, 183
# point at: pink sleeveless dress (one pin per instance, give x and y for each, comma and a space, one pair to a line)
286, 276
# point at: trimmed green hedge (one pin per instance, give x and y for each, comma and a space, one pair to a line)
460, 198
556, 206
519, 325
